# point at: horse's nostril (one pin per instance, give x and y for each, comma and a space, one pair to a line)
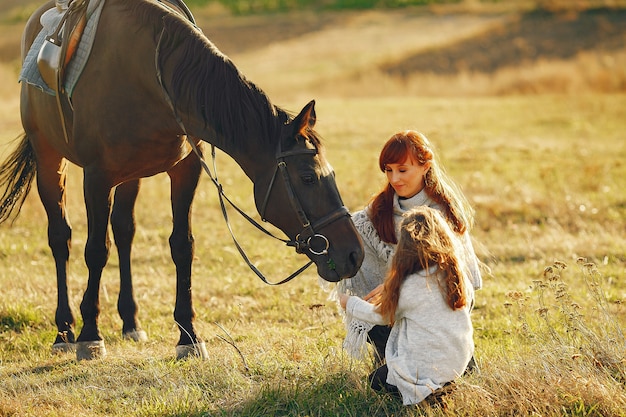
355, 259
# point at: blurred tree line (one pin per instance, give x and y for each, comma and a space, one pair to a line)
242, 7
264, 6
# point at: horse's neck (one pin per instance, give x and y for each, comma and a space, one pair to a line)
213, 101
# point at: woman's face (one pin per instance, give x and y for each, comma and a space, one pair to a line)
407, 178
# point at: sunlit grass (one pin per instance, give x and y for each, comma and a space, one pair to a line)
545, 174
289, 337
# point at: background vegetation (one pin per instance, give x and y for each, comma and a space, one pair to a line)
264, 6
533, 132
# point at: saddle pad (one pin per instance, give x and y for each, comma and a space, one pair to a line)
49, 20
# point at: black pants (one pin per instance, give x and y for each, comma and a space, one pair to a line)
378, 336
378, 382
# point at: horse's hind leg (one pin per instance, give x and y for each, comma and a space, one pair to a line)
123, 226
184, 177
51, 177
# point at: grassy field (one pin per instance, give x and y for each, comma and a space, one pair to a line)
545, 172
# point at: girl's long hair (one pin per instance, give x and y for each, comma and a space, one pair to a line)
426, 239
438, 185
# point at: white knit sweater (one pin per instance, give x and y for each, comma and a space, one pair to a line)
430, 344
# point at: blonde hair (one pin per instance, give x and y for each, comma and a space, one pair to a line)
426, 240
438, 186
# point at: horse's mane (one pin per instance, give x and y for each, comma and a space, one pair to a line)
206, 80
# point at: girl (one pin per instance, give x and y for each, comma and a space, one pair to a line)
426, 297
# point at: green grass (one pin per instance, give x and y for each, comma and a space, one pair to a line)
527, 164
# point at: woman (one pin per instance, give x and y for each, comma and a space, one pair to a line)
426, 297
414, 178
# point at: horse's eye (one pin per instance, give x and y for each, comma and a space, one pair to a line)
308, 179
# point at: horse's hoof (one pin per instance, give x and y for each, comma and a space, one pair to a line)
63, 347
196, 350
90, 350
135, 335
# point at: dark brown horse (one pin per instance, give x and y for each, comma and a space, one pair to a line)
152, 80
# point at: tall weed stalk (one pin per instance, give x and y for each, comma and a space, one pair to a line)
570, 352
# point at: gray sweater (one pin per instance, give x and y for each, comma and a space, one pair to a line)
430, 344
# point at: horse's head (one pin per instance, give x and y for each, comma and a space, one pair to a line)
301, 198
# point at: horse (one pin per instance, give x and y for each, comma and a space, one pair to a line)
155, 89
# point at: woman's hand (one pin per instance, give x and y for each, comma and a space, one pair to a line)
374, 294
343, 300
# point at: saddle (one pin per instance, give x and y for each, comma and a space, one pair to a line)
59, 48
70, 20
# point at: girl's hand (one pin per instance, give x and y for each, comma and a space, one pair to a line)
343, 300
374, 294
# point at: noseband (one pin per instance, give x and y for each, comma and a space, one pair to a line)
308, 236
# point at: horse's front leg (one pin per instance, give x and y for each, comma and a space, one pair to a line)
97, 190
184, 178
123, 226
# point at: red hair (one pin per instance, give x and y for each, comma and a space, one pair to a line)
439, 187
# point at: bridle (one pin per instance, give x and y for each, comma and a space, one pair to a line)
310, 231
303, 240
308, 236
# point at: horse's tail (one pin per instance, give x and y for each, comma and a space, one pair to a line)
16, 177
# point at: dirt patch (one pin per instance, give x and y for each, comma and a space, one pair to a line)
247, 33
535, 36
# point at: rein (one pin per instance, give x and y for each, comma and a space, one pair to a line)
303, 240
223, 197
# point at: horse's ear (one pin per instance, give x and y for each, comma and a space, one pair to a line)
305, 120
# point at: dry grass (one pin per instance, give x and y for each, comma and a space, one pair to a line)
545, 173
566, 353
515, 158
